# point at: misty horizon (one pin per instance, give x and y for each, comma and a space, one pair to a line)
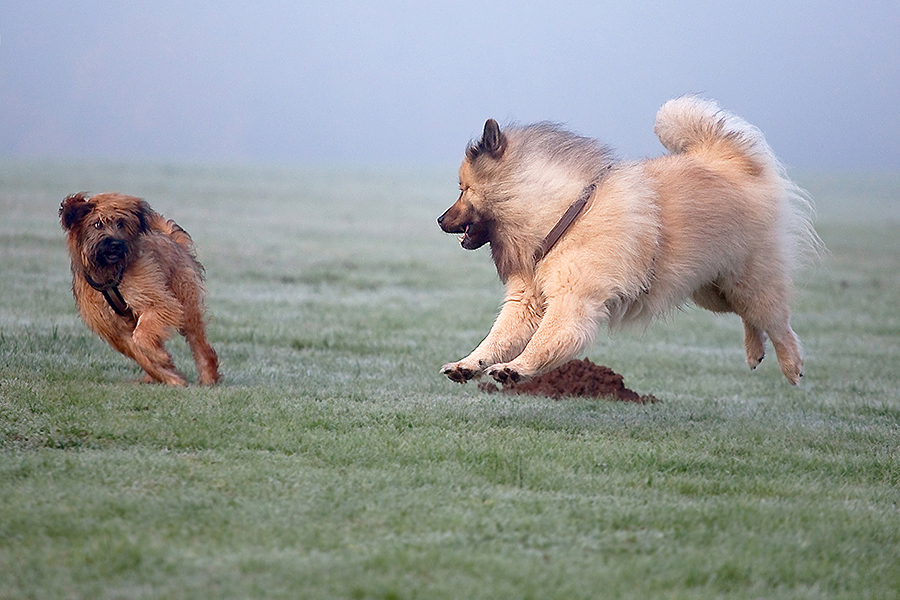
409, 83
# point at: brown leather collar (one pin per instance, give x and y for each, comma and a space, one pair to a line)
113, 297
568, 217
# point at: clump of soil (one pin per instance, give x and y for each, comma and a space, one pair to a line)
576, 378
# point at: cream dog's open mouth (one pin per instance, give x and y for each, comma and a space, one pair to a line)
464, 236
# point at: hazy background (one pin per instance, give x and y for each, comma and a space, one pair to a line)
411, 82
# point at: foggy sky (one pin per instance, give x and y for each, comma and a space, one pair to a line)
412, 82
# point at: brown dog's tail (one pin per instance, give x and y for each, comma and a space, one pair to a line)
157, 222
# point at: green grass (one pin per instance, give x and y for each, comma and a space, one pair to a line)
335, 462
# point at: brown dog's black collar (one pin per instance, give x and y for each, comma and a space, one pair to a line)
568, 217
117, 302
113, 297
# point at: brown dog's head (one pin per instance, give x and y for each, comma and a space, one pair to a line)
102, 230
470, 215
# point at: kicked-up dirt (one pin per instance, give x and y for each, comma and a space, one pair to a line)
576, 378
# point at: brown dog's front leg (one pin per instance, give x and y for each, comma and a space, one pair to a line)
147, 348
157, 371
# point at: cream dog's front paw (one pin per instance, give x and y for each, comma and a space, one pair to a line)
507, 372
461, 371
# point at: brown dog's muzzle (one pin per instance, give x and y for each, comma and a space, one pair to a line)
111, 251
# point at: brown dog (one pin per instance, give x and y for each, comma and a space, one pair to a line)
581, 239
135, 277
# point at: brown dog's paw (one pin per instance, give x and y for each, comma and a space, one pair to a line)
456, 372
165, 376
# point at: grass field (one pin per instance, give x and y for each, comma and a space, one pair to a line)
335, 462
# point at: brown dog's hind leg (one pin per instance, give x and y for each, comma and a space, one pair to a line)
204, 355
193, 328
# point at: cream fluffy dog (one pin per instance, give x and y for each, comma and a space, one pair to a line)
715, 221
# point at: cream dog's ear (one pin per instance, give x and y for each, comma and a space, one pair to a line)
492, 142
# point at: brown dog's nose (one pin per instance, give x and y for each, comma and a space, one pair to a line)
110, 251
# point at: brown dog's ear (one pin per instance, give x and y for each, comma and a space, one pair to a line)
73, 209
144, 214
492, 143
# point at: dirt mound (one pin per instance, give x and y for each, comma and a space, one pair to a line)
576, 378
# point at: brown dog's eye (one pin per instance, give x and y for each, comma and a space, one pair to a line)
120, 224
98, 224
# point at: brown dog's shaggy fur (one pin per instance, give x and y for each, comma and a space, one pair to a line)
135, 277
715, 221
